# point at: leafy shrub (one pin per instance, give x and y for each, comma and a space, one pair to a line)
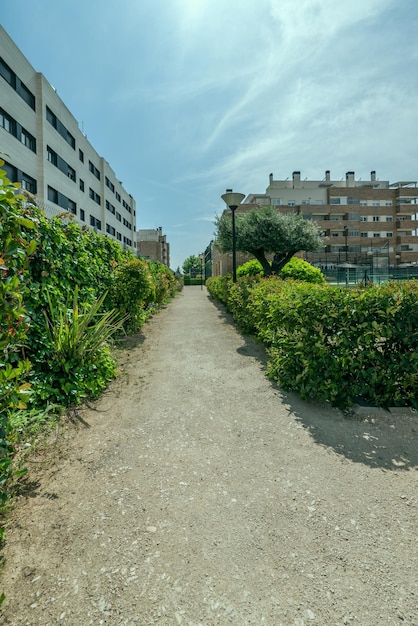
298, 269
219, 287
15, 251
250, 268
331, 343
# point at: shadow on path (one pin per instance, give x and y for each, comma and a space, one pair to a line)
383, 441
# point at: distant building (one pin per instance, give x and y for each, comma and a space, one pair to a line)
362, 221
45, 151
152, 244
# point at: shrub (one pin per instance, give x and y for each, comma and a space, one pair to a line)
298, 269
250, 268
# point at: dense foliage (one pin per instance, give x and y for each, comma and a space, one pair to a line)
265, 231
296, 268
65, 291
332, 343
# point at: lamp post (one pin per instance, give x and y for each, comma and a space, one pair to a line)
346, 245
232, 201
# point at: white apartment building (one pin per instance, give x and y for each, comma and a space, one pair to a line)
46, 152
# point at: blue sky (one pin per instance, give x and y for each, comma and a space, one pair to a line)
185, 98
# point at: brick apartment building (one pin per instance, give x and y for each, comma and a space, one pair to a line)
45, 151
362, 221
152, 244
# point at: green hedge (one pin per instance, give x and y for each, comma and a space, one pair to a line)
331, 343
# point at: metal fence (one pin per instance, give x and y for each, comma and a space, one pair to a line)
354, 276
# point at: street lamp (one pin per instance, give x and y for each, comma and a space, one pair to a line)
346, 246
232, 201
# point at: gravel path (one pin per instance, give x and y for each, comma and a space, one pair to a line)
197, 493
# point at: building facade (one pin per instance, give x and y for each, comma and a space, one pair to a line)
152, 244
46, 152
363, 222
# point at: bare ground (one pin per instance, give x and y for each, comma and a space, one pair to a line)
197, 493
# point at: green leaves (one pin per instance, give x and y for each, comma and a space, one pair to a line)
333, 344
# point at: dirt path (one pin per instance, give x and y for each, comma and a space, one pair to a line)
202, 495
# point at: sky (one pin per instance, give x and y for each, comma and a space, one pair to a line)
186, 98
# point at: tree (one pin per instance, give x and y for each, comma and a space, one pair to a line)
192, 266
266, 231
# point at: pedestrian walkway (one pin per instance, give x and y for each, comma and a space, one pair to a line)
203, 495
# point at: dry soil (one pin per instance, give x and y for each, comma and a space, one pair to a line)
196, 493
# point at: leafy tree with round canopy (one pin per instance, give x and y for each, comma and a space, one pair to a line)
265, 231
192, 266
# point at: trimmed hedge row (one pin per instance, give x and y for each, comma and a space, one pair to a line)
332, 343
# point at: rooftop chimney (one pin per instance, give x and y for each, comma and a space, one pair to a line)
327, 176
271, 179
349, 179
296, 178
373, 176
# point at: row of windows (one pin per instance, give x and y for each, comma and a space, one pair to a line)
57, 124
14, 128
110, 207
17, 176
355, 200
357, 233
14, 81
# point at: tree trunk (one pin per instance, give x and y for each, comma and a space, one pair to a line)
260, 256
279, 261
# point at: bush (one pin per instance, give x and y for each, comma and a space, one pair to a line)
250, 268
331, 343
298, 269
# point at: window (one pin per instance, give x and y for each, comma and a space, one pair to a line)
52, 195
28, 140
117, 196
71, 173
388, 203
353, 232
28, 183
290, 203
364, 234
110, 230
335, 201
363, 218
93, 169
8, 74
16, 84
354, 217
110, 207
52, 156
389, 234
375, 203
81, 155
82, 215
352, 200
376, 218
118, 217
97, 225
72, 207
59, 127
118, 236
94, 196
81, 184
389, 218
363, 202
110, 185
376, 235
7, 122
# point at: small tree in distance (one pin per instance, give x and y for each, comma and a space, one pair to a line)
265, 231
192, 266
